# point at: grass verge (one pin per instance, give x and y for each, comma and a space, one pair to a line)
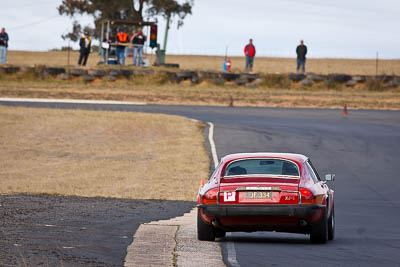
96, 153
154, 91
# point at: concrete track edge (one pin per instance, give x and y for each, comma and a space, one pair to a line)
174, 242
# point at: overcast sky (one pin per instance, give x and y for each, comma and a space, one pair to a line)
340, 28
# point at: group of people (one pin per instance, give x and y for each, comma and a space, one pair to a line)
137, 40
121, 41
250, 53
3, 46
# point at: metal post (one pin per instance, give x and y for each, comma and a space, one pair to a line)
68, 61
101, 40
166, 32
377, 60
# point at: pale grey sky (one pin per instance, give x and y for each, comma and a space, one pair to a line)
340, 28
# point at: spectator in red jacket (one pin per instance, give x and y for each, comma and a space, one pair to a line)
250, 53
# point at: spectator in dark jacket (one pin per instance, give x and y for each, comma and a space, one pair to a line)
250, 53
85, 43
301, 52
3, 46
138, 39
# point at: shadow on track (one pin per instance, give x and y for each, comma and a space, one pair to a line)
267, 238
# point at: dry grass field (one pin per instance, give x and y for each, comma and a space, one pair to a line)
213, 63
95, 153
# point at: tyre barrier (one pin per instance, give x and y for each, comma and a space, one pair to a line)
249, 76
97, 73
229, 76
250, 80
340, 78
186, 75
208, 75
115, 73
53, 71
315, 77
77, 72
296, 77
10, 69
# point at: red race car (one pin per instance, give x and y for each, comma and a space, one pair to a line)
266, 192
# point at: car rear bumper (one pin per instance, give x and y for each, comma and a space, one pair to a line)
260, 210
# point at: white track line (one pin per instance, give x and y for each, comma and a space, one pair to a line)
230, 244
70, 101
212, 144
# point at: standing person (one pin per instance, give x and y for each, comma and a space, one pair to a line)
3, 46
301, 52
106, 46
138, 39
84, 43
250, 53
122, 40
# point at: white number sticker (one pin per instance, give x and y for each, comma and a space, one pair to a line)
229, 196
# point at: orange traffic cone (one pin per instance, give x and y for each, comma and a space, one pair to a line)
345, 112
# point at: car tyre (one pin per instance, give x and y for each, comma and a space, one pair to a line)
331, 225
219, 233
319, 233
205, 232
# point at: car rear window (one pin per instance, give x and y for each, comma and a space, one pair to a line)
262, 166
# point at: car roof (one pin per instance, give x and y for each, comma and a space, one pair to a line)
290, 156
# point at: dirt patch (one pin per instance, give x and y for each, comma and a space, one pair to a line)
97, 153
45, 230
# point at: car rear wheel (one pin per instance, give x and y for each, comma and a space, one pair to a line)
205, 232
331, 225
319, 233
219, 233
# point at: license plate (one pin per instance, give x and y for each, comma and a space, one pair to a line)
258, 195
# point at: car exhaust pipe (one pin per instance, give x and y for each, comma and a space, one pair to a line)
215, 223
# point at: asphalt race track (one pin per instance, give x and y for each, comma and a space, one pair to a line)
362, 149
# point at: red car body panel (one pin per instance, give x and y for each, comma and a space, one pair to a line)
282, 207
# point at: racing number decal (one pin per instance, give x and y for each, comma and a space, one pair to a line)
229, 196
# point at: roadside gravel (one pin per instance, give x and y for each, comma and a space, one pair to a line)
49, 230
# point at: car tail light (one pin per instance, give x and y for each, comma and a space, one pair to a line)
307, 196
210, 197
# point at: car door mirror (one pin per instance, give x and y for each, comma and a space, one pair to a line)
329, 177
